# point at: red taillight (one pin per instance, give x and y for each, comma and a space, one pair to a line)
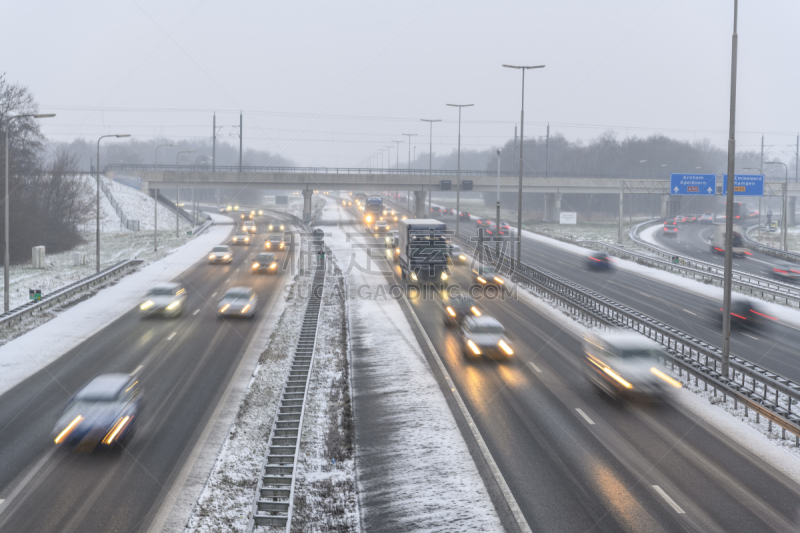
781, 271
748, 253
738, 316
737, 216
719, 249
595, 259
762, 314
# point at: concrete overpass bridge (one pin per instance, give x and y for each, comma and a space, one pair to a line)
420, 182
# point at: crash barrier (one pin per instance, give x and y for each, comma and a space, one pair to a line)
758, 389
274, 498
66, 292
768, 250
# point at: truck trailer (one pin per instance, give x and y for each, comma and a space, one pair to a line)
424, 248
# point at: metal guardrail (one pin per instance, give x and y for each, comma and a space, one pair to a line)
768, 250
767, 393
274, 498
66, 292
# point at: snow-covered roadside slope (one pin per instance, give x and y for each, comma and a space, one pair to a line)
418, 475
29, 353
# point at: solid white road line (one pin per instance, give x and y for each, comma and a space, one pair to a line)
669, 500
195, 312
585, 416
751, 336
695, 314
535, 368
171, 335
138, 369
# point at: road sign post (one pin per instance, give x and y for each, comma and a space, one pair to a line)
693, 184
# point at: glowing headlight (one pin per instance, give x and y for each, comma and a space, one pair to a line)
69, 428
388, 239
281, 227
498, 280
268, 244
116, 430
675, 383
397, 250
414, 276
173, 305
369, 219
255, 265
282, 244
462, 257
247, 239
473, 347
224, 308
147, 305
388, 228
235, 239
450, 311
226, 256
444, 275
270, 227
616, 377
475, 311
274, 265
481, 279
505, 347
212, 256
245, 308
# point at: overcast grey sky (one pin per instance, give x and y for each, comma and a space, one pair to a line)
329, 83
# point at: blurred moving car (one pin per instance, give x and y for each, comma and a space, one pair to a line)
251, 215
488, 275
457, 257
482, 222
692, 218
625, 365
484, 335
670, 229
458, 307
598, 261
464, 216
167, 299
264, 263
238, 301
241, 239
275, 225
380, 226
260, 211
100, 415
249, 226
275, 243
392, 238
492, 231
220, 254
785, 271
706, 218
746, 314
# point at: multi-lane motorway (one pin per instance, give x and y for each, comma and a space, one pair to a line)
184, 366
577, 462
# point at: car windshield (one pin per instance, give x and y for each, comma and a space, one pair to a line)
488, 269
162, 291
265, 257
220, 249
237, 294
488, 329
275, 238
638, 353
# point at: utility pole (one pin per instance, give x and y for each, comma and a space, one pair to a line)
797, 159
240, 141
214, 145
458, 172
430, 162
547, 150
726, 286
409, 135
397, 155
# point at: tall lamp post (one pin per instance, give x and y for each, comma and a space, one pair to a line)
409, 135
521, 139
155, 198
497, 243
458, 171
430, 161
178, 192
118, 136
6, 255
785, 209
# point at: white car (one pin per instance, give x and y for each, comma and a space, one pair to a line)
484, 335
249, 226
706, 218
220, 254
167, 299
238, 302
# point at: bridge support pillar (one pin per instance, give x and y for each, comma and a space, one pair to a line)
552, 206
670, 205
419, 204
307, 194
791, 204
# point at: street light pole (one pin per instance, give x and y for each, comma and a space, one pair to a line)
727, 280
397, 155
97, 266
785, 209
430, 162
521, 139
178, 189
155, 198
458, 171
6, 253
409, 135
497, 242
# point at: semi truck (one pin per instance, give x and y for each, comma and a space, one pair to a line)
424, 248
718, 240
373, 209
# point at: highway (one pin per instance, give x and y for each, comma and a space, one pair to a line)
575, 461
185, 365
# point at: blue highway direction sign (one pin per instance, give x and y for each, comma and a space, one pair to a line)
693, 184
744, 184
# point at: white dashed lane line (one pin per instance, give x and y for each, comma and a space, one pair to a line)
213, 294
585, 416
669, 500
535, 367
751, 336
171, 335
195, 312
695, 314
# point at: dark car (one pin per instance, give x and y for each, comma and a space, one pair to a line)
495, 232
264, 263
785, 271
482, 222
275, 243
488, 275
276, 225
598, 261
458, 307
464, 216
746, 314
670, 229
101, 414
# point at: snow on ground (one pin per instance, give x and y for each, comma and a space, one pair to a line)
29, 353
434, 483
227, 499
139, 206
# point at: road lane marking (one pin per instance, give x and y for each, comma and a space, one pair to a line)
669, 500
695, 314
535, 367
751, 336
171, 335
585, 416
196, 311
138, 369
213, 294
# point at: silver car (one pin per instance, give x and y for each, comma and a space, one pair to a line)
220, 254
484, 335
239, 302
167, 299
102, 414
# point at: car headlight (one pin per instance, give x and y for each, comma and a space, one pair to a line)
227, 256
212, 256
281, 227
450, 311
224, 308
473, 347
475, 311
498, 280
67, 430
282, 244
505, 347
147, 305
369, 219
462, 257
245, 308
414, 276
174, 305
235, 239
256, 265
481, 279
444, 275
675, 383
274, 265
269, 244
270, 227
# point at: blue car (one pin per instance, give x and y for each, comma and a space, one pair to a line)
100, 415
598, 261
